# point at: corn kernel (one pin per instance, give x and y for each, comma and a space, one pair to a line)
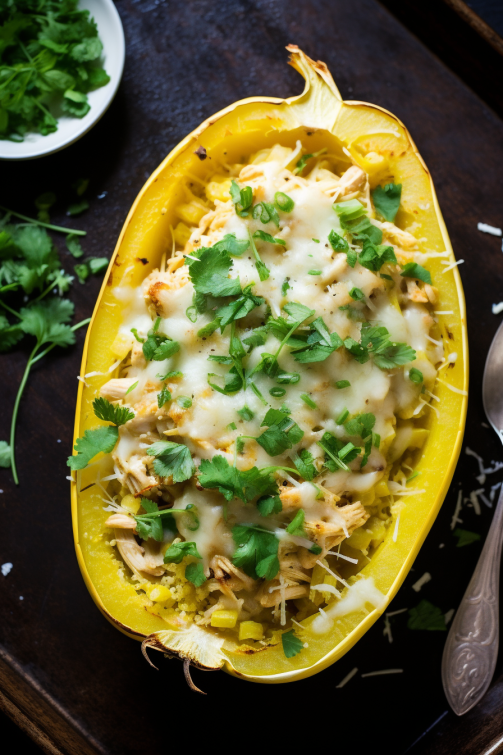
218, 188
159, 594
418, 437
122, 344
224, 619
191, 213
250, 630
181, 234
367, 498
131, 504
381, 489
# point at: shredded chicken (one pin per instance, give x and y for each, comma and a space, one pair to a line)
120, 521
269, 594
352, 180
116, 388
230, 578
133, 554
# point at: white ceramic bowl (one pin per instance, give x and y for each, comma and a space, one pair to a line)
70, 128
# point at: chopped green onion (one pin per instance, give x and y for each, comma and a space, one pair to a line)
288, 377
232, 426
342, 417
357, 294
342, 384
347, 450
314, 272
131, 388
416, 376
317, 241
246, 413
184, 402
277, 392
308, 400
283, 202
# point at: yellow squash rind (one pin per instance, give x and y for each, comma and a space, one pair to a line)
379, 142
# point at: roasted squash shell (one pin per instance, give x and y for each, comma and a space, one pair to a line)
378, 142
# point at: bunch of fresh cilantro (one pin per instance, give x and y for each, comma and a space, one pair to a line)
49, 61
33, 307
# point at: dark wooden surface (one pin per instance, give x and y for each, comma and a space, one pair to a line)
69, 679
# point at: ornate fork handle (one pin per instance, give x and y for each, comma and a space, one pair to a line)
471, 649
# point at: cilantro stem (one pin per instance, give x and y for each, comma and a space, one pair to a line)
15, 413
44, 293
49, 348
9, 309
51, 227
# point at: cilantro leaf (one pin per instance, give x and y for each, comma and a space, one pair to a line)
292, 645
246, 413
9, 334
73, 245
269, 505
374, 256
233, 483
257, 337
149, 524
282, 433
46, 321
465, 537
296, 526
353, 218
172, 459
177, 551
257, 551
163, 397
159, 347
426, 616
195, 574
99, 440
301, 164
413, 270
394, 355
320, 343
239, 307
304, 464
5, 454
108, 412
210, 274
263, 236
232, 245
332, 445
361, 424
387, 200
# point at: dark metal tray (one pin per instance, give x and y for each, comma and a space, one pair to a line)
66, 676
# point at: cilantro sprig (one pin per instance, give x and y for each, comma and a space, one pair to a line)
375, 341
100, 439
292, 645
257, 551
172, 460
49, 51
152, 523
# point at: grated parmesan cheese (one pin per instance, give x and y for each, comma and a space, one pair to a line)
491, 229
384, 672
347, 678
421, 581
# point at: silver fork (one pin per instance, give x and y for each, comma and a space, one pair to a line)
471, 649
